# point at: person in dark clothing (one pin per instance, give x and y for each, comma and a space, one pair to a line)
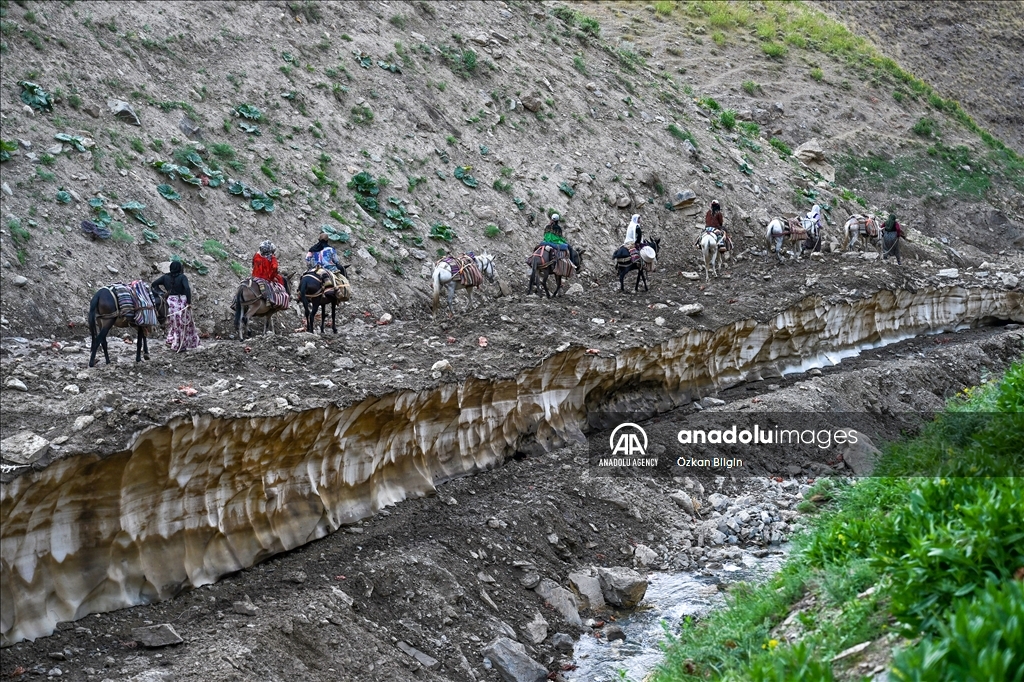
891, 235
181, 326
554, 236
714, 221
319, 246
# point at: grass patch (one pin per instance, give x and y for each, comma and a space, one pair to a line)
728, 119
781, 147
926, 127
817, 74
750, 87
492, 231
212, 247
680, 134
941, 170
774, 50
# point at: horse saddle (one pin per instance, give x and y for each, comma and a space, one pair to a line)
326, 277
724, 243
867, 226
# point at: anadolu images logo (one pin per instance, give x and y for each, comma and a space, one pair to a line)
628, 440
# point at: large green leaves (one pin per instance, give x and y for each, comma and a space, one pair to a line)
168, 192
462, 173
34, 96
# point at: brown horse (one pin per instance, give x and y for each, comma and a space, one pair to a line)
250, 302
104, 314
541, 270
314, 296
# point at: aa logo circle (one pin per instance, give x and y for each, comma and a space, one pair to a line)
628, 439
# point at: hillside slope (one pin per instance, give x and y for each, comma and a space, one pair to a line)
614, 89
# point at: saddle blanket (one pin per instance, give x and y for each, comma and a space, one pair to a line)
564, 267
547, 254
464, 269
134, 302
336, 281
273, 292
867, 225
145, 310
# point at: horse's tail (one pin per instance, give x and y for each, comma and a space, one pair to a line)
238, 307
437, 291
93, 305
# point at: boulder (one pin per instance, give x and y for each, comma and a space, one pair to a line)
24, 447
123, 110
428, 662
622, 586
561, 599
683, 198
614, 633
562, 642
532, 102
588, 587
513, 664
644, 555
155, 636
862, 455
537, 629
684, 501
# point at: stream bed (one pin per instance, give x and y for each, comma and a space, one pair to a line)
670, 598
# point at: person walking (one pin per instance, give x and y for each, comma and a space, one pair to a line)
182, 334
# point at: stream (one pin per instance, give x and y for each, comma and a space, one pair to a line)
670, 598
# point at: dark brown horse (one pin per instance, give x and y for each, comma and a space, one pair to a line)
104, 314
314, 297
250, 302
540, 271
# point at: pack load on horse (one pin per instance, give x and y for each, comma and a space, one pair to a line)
546, 261
803, 230
266, 292
466, 271
124, 305
713, 246
325, 282
181, 328
636, 254
891, 235
862, 227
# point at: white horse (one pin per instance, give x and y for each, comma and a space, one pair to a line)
443, 277
779, 231
709, 247
862, 226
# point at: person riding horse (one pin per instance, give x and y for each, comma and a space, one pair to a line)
555, 238
714, 223
324, 256
264, 263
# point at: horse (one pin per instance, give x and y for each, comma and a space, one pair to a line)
103, 310
443, 277
808, 236
314, 297
862, 226
648, 261
249, 302
540, 271
709, 247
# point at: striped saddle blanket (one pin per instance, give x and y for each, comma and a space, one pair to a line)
464, 269
272, 292
135, 302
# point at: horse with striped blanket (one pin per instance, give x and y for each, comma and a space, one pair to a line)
132, 305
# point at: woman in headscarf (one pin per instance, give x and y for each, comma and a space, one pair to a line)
181, 326
634, 233
264, 263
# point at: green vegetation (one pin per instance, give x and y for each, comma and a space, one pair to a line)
728, 119
18, 233
362, 115
442, 232
579, 64
239, 269
214, 248
926, 127
937, 533
817, 74
366, 189
781, 147
681, 134
119, 234
750, 87
774, 50
492, 231
940, 170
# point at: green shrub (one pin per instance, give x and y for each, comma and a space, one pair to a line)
214, 248
781, 146
239, 269
223, 151
119, 234
774, 50
502, 186
579, 64
362, 115
750, 87
590, 26
728, 119
137, 146
817, 74
718, 38
926, 127
492, 231
681, 134
664, 7
981, 639
709, 103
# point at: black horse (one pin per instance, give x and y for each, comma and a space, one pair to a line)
315, 297
540, 271
624, 263
104, 314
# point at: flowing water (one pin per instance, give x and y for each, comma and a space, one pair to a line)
670, 598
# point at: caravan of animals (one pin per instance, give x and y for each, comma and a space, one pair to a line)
167, 302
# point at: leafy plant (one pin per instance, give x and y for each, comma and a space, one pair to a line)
502, 186
750, 87
249, 112
6, 147
367, 190
63, 196
362, 114
781, 146
168, 192
149, 236
442, 232
34, 96
249, 128
926, 127
492, 231
567, 189
462, 173
774, 50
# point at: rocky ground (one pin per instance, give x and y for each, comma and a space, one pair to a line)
443, 575
420, 590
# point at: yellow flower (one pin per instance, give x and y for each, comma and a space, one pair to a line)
772, 643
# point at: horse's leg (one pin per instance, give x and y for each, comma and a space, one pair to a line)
139, 336
451, 298
323, 315
145, 343
558, 285
622, 278
334, 311
96, 343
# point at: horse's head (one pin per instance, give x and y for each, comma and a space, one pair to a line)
578, 261
287, 283
160, 302
485, 262
654, 242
